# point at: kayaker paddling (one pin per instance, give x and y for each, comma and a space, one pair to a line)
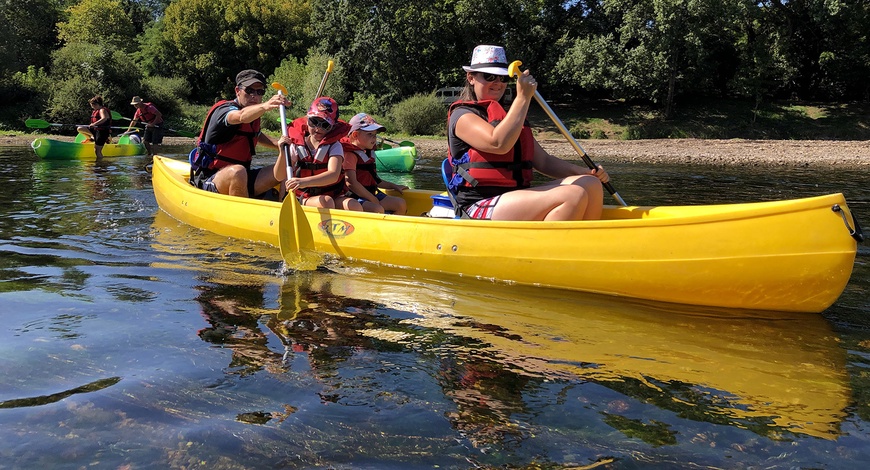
493, 153
228, 140
316, 154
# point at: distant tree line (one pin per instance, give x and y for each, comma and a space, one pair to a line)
183, 54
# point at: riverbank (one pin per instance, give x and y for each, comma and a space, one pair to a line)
846, 154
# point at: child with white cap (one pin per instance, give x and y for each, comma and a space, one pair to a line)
360, 172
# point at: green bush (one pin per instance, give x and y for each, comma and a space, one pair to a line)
579, 132
599, 134
420, 115
167, 93
81, 70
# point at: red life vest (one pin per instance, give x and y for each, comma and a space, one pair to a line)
487, 172
145, 114
309, 164
95, 116
366, 171
238, 149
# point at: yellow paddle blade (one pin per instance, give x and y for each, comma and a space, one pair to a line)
294, 237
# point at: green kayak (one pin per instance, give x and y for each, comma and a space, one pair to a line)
51, 149
396, 159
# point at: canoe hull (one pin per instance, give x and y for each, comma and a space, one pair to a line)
792, 255
50, 149
396, 159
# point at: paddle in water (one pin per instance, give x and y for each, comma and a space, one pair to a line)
294, 233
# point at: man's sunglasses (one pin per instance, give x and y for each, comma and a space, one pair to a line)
255, 91
319, 123
491, 77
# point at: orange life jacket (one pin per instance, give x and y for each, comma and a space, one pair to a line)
481, 175
236, 147
309, 164
366, 171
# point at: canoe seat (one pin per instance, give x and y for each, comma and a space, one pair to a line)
446, 175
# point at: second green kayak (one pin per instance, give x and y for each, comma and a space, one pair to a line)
51, 149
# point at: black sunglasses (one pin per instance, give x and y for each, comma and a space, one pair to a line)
319, 123
255, 91
491, 77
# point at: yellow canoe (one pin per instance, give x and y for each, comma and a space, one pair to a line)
793, 255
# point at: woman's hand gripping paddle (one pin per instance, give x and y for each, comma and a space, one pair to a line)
514, 71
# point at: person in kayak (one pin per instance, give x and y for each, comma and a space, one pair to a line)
99, 130
229, 136
493, 153
150, 116
316, 156
360, 173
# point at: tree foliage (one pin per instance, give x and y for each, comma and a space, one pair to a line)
209, 41
98, 22
28, 34
385, 51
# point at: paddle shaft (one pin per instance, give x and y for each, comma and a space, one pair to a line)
564, 130
514, 70
117, 116
323, 80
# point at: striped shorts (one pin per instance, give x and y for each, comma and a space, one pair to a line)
482, 209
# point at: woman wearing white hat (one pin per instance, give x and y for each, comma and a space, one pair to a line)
493, 153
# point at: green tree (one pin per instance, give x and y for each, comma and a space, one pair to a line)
29, 34
209, 41
398, 48
98, 22
656, 49
81, 70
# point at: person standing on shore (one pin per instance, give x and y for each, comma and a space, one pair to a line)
150, 116
98, 131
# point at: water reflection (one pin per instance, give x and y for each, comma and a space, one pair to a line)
497, 348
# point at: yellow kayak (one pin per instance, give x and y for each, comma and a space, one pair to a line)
793, 255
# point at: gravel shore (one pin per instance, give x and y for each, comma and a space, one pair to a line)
846, 154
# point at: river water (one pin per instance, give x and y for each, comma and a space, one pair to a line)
132, 341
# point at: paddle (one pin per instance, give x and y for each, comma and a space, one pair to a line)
514, 70
43, 124
117, 116
323, 80
404, 143
291, 211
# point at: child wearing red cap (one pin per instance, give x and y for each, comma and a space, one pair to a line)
316, 156
360, 173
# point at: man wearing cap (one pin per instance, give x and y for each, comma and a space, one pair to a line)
360, 172
229, 138
148, 115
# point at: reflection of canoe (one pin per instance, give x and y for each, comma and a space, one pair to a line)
794, 255
396, 159
788, 375
51, 149
767, 372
